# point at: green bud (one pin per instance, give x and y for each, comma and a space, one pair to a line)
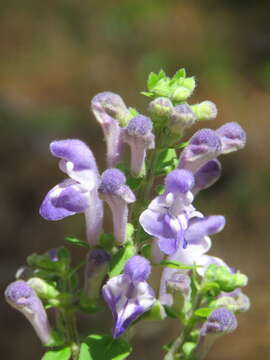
224, 278
43, 289
206, 110
160, 109
188, 348
182, 89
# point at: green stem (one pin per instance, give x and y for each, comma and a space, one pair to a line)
180, 340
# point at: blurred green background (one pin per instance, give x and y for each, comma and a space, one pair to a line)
56, 55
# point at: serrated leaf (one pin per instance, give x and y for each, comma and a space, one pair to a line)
75, 241
203, 312
63, 354
120, 258
104, 347
176, 265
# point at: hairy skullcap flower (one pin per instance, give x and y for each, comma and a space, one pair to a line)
183, 113
19, 293
137, 268
111, 102
179, 180
220, 320
140, 125
74, 151
205, 137
111, 181
232, 137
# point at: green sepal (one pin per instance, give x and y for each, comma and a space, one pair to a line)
146, 251
75, 241
43, 289
211, 288
157, 312
188, 348
62, 354
104, 347
45, 263
120, 258
166, 162
203, 312
176, 265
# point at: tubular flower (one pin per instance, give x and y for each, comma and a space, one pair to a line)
78, 194
110, 111
129, 295
138, 135
23, 298
220, 321
118, 195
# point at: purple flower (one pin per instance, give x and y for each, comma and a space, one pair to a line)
138, 135
110, 110
78, 194
204, 145
118, 195
96, 267
175, 288
23, 298
129, 295
220, 321
198, 244
207, 175
166, 218
232, 137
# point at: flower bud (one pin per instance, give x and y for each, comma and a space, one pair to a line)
183, 89
221, 321
138, 135
96, 269
22, 297
206, 110
160, 109
181, 117
232, 137
43, 289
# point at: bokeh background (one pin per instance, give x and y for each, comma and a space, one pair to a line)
56, 55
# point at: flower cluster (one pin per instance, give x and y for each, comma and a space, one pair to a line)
164, 230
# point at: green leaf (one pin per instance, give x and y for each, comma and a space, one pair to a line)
147, 93
104, 347
166, 162
181, 73
160, 189
177, 265
152, 80
63, 354
120, 258
75, 241
203, 312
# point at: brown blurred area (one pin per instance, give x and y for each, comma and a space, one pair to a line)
56, 55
